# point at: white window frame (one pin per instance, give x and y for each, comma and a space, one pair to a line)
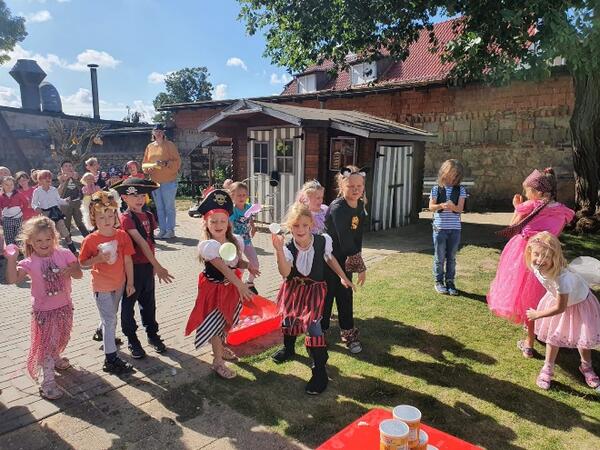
287, 159
363, 73
307, 83
261, 159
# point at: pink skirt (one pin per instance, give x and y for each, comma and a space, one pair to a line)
50, 334
577, 327
515, 288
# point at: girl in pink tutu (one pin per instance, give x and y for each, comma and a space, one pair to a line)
50, 269
311, 195
516, 289
568, 315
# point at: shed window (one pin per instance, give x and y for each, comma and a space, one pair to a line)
260, 156
364, 72
285, 156
307, 83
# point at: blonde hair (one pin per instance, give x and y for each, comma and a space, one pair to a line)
31, 228
90, 161
9, 178
236, 186
295, 212
341, 181
308, 189
85, 176
205, 236
453, 168
42, 174
101, 202
20, 175
553, 250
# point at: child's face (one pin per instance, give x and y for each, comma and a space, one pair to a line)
67, 169
315, 199
301, 228
449, 178
23, 182
89, 181
133, 169
105, 221
532, 194
8, 186
540, 258
93, 167
239, 197
354, 187
45, 183
135, 202
42, 243
217, 225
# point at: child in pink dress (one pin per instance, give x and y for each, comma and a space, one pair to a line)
516, 289
311, 195
50, 269
568, 315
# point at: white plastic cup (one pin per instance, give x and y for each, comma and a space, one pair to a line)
411, 416
227, 251
110, 248
423, 440
393, 435
275, 228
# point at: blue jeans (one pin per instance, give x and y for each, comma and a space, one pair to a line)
164, 198
445, 246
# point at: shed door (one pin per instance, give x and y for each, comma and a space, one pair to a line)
392, 183
280, 150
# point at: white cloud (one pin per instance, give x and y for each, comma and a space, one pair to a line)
9, 97
236, 62
220, 92
283, 79
37, 17
103, 59
80, 103
156, 78
62, 1
46, 62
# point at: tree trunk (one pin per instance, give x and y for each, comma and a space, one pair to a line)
585, 128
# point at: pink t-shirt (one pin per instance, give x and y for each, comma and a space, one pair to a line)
49, 290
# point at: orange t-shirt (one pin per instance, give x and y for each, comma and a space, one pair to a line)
107, 277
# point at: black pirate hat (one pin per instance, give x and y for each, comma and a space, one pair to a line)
134, 186
216, 200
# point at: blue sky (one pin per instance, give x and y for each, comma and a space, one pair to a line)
136, 42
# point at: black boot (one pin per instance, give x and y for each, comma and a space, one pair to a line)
287, 352
318, 382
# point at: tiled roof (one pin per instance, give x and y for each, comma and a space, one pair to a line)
421, 67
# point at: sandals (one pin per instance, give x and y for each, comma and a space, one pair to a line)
591, 379
223, 371
51, 392
62, 363
544, 379
527, 351
228, 354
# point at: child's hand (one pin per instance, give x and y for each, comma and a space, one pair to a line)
253, 270
532, 314
517, 200
362, 277
347, 283
68, 271
163, 275
277, 240
129, 290
245, 293
102, 257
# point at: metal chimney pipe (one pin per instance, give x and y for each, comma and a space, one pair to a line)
94, 75
29, 75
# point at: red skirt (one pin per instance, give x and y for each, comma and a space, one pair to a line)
211, 296
302, 300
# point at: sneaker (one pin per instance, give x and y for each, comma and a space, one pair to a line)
252, 287
440, 288
62, 363
97, 335
117, 366
158, 344
135, 347
160, 234
354, 347
169, 235
451, 288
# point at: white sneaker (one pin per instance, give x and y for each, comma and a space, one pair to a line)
169, 234
160, 234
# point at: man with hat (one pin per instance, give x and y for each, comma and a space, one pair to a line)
162, 163
140, 226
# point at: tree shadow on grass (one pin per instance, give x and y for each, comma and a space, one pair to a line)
526, 403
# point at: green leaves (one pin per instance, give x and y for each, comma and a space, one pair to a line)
12, 30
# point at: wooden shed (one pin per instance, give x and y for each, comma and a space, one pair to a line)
276, 148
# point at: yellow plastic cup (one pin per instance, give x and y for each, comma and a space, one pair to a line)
423, 440
393, 435
411, 416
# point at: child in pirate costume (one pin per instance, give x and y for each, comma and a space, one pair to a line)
301, 262
140, 226
220, 288
344, 222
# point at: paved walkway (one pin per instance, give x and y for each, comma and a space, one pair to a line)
104, 411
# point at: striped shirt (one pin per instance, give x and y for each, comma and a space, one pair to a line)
447, 220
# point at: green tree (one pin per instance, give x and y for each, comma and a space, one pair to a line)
495, 41
12, 30
186, 85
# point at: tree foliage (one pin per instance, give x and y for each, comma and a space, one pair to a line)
186, 85
12, 30
495, 40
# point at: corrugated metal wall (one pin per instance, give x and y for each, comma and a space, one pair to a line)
282, 196
392, 181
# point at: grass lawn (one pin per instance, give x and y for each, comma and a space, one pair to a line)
446, 355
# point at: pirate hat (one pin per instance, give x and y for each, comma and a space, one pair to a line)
216, 201
134, 186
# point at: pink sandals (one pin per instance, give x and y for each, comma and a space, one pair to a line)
544, 379
62, 363
591, 379
223, 371
527, 351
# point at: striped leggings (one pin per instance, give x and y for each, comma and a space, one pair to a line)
12, 227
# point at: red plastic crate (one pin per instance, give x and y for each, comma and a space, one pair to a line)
270, 321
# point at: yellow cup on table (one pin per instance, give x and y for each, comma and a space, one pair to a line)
411, 416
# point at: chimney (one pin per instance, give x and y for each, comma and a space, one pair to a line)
29, 75
94, 75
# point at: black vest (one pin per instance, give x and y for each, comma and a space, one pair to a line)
317, 271
139, 227
454, 195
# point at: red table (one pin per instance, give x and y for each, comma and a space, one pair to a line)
366, 437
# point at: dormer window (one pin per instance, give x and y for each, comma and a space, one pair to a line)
307, 83
363, 73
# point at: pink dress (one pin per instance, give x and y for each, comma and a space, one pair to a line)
29, 212
515, 288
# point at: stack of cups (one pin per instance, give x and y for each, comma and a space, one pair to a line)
411, 416
393, 435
